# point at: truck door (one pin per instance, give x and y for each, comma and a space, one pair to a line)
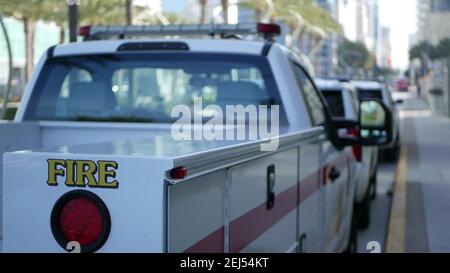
310, 199
263, 201
333, 168
335, 181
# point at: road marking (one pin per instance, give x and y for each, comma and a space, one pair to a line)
396, 229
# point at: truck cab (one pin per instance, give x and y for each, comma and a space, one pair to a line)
126, 145
343, 100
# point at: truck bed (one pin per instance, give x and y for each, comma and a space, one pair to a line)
156, 150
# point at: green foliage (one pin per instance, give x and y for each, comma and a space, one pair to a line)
442, 50
312, 13
32, 9
90, 11
354, 54
11, 113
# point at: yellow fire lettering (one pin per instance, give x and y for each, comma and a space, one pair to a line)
107, 169
53, 171
70, 164
86, 170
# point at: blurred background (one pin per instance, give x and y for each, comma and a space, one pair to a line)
403, 42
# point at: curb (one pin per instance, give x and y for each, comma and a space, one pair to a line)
397, 218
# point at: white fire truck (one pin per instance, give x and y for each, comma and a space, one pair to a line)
91, 159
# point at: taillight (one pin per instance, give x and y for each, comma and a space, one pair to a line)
272, 29
178, 173
356, 149
84, 31
80, 216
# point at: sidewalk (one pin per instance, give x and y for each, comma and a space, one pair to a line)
426, 139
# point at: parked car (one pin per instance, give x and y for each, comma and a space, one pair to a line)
401, 84
343, 101
378, 90
100, 166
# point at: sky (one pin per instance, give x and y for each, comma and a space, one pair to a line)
400, 17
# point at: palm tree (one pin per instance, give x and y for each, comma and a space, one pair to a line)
202, 4
312, 14
10, 67
28, 12
129, 11
72, 15
225, 10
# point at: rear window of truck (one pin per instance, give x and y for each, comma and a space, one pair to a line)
335, 102
370, 94
144, 87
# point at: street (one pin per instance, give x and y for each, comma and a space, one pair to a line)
419, 222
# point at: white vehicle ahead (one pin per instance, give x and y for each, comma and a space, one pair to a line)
378, 90
343, 101
91, 158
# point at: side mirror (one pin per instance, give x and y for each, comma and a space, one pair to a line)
343, 132
376, 124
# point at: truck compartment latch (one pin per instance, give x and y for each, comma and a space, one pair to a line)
270, 187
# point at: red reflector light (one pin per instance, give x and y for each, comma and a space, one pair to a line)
80, 220
356, 149
178, 173
269, 28
84, 31
80, 216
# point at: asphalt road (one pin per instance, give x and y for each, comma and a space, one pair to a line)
380, 207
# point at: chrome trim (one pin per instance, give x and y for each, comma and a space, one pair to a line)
212, 160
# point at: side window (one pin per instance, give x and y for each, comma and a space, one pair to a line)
316, 108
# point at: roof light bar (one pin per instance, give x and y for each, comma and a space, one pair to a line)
268, 31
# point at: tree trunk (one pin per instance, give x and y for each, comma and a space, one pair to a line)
129, 12
73, 22
62, 35
28, 25
258, 15
225, 11
202, 11
10, 68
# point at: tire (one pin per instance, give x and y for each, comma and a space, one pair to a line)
363, 211
392, 154
352, 245
373, 185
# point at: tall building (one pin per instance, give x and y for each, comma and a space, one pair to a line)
384, 49
192, 10
360, 21
423, 9
325, 60
433, 20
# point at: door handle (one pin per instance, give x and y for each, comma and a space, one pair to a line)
334, 174
270, 187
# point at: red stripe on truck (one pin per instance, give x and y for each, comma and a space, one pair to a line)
213, 243
249, 226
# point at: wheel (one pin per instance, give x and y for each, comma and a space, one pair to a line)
373, 185
392, 154
363, 211
352, 245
